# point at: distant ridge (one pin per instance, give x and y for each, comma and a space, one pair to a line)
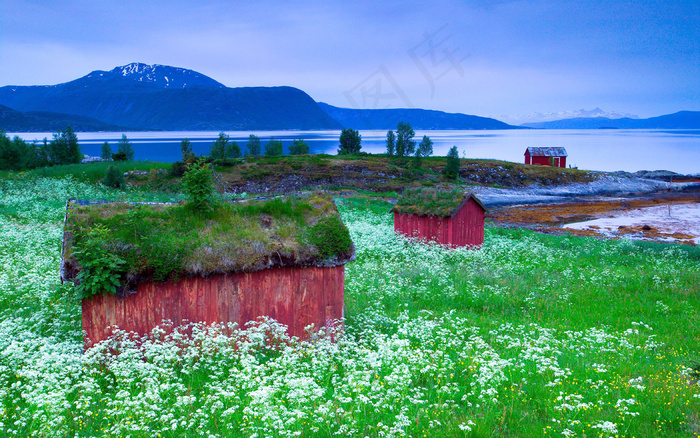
39, 121
679, 120
158, 97
418, 118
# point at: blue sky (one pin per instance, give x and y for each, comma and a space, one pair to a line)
489, 58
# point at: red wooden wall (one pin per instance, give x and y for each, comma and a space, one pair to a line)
543, 161
295, 297
465, 228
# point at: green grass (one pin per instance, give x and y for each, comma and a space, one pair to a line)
94, 172
530, 336
165, 242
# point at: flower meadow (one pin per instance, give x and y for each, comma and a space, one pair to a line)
530, 335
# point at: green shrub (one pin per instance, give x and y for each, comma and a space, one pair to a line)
330, 236
199, 186
101, 268
299, 147
177, 169
114, 178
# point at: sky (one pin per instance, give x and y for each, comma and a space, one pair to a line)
495, 58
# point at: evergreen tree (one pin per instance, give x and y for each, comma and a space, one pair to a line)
106, 153
390, 143
125, 149
298, 147
198, 184
273, 148
452, 167
186, 149
350, 142
253, 146
233, 150
405, 145
114, 178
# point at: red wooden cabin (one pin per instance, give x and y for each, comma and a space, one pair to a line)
297, 290
553, 156
458, 222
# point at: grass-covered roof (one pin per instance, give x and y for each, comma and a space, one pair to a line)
433, 202
136, 243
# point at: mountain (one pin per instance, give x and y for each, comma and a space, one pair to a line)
40, 121
418, 118
537, 117
158, 97
679, 120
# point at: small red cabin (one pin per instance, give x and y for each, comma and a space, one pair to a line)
555, 157
251, 259
446, 217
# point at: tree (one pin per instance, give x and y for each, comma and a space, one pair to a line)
125, 149
114, 178
390, 143
425, 149
218, 149
273, 148
106, 153
452, 167
298, 147
405, 145
186, 148
350, 140
253, 146
198, 184
64, 148
233, 150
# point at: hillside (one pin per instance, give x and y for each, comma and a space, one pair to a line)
679, 120
38, 121
419, 119
157, 97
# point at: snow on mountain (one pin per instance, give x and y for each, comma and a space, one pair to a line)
537, 117
156, 75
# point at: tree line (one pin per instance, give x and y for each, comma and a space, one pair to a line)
17, 154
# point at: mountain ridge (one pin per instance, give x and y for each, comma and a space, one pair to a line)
140, 96
419, 118
677, 120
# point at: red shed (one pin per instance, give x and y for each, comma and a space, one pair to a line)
446, 217
250, 259
555, 157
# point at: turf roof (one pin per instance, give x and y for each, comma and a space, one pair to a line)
167, 241
433, 202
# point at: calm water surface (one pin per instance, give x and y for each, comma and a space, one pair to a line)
609, 150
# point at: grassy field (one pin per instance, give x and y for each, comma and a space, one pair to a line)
529, 336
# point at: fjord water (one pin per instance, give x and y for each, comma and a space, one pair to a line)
608, 150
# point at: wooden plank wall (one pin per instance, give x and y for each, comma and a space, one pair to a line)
431, 228
466, 228
295, 297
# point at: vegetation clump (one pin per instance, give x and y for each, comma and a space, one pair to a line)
114, 178
166, 241
430, 202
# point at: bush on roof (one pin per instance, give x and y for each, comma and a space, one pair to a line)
429, 202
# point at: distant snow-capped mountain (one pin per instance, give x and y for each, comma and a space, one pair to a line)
156, 76
537, 117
